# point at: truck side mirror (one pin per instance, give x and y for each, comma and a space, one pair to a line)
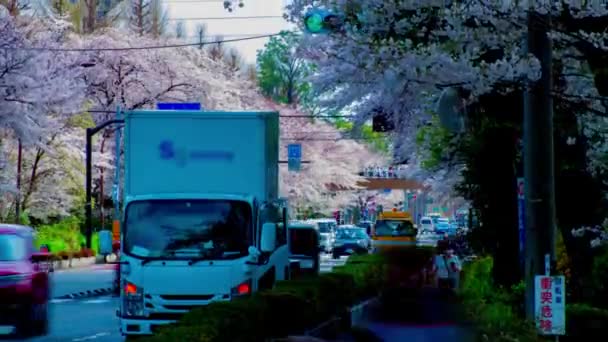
269, 237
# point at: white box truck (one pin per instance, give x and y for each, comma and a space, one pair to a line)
202, 218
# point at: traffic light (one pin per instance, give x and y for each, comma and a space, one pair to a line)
382, 121
319, 20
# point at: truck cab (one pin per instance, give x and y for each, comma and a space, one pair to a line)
202, 218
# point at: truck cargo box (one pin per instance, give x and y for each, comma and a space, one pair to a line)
169, 152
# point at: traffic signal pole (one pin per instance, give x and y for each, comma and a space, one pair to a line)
539, 165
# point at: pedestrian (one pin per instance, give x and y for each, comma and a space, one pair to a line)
454, 268
441, 266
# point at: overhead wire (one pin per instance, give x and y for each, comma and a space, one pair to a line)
229, 18
131, 48
291, 138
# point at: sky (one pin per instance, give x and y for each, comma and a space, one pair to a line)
189, 10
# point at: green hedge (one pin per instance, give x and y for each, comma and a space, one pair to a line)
291, 307
492, 311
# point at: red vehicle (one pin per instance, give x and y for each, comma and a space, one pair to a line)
24, 282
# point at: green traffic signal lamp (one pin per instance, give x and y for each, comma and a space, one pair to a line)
321, 21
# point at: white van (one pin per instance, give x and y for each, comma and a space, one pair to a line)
426, 224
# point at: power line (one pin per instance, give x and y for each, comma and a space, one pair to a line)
191, 1
150, 47
229, 18
228, 35
300, 116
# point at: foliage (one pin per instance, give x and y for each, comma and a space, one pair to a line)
376, 140
492, 310
433, 140
62, 236
281, 72
35, 83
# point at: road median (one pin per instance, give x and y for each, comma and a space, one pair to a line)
324, 306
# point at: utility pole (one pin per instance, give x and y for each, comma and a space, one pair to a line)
539, 165
19, 168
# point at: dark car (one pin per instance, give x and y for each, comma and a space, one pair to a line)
367, 225
351, 240
24, 283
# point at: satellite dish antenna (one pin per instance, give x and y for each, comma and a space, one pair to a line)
451, 110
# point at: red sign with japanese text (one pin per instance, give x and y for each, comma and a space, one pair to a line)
550, 305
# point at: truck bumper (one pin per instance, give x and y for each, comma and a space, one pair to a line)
141, 326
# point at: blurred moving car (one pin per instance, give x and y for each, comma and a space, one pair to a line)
303, 239
351, 240
24, 283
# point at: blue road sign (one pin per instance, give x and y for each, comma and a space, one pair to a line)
294, 151
294, 157
178, 106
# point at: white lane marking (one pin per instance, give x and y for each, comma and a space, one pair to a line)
96, 301
92, 337
59, 301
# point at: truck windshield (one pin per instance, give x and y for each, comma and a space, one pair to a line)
394, 228
177, 229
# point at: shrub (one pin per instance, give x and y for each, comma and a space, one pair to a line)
62, 236
493, 310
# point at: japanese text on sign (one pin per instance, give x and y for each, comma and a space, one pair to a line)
550, 305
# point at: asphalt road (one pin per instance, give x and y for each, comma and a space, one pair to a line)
81, 279
92, 319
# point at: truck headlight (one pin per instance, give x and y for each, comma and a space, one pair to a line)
132, 300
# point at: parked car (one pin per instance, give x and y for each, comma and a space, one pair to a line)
24, 283
351, 240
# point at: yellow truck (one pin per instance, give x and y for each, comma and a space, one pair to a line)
393, 229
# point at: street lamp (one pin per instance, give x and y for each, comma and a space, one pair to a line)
89, 176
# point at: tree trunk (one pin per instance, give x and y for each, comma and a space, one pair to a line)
91, 8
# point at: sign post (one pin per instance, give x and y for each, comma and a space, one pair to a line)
550, 305
521, 209
294, 157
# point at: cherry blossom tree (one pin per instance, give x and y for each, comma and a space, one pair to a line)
401, 55
39, 89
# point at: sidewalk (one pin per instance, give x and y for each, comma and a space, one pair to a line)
427, 315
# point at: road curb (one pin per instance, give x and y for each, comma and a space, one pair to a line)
87, 294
